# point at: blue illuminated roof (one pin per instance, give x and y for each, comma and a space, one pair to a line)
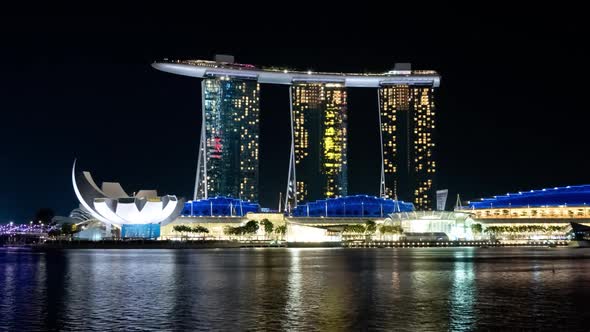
352, 206
218, 206
558, 196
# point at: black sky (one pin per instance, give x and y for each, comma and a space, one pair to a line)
512, 107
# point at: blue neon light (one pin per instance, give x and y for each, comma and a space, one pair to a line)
558, 196
352, 206
219, 206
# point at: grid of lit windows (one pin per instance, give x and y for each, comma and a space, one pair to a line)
319, 132
392, 101
423, 146
232, 110
407, 128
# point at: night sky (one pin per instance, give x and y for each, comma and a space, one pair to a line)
511, 110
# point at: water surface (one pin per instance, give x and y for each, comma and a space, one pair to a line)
413, 289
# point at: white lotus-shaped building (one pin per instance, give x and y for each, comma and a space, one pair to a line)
112, 205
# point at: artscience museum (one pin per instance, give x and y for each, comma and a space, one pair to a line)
136, 216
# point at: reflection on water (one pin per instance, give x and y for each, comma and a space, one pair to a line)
295, 289
463, 292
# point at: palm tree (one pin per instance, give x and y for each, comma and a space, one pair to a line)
182, 229
268, 226
228, 230
390, 229
251, 227
355, 229
199, 229
281, 230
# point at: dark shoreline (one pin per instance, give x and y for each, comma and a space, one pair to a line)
145, 244
223, 244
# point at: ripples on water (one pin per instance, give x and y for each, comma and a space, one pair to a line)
418, 289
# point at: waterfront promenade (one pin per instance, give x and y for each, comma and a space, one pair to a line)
223, 244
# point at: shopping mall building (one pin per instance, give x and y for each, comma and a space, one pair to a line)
537, 214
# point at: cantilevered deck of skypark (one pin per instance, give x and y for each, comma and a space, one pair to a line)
204, 68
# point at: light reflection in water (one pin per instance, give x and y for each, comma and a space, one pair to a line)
293, 307
413, 289
463, 292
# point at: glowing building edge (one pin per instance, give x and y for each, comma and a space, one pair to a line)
139, 215
204, 69
570, 202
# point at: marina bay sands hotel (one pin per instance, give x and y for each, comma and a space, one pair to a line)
228, 151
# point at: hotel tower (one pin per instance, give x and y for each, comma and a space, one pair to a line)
318, 113
228, 152
407, 123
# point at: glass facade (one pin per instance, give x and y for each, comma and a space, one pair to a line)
218, 206
230, 148
320, 140
144, 231
407, 121
456, 225
352, 206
